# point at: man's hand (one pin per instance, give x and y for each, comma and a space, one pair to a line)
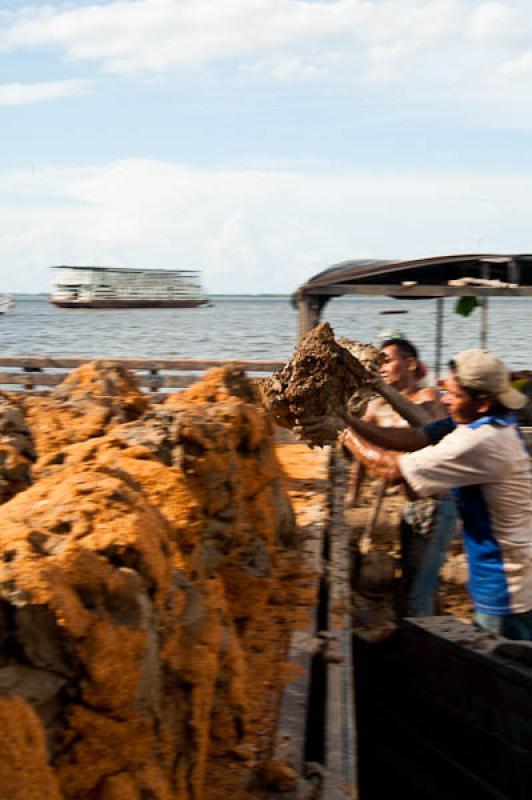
320, 431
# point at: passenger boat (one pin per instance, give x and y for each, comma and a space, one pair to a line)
5, 303
110, 287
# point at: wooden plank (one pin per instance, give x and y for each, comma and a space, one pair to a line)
54, 379
168, 381
340, 742
182, 364
428, 291
31, 378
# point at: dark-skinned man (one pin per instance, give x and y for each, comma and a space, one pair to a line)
427, 525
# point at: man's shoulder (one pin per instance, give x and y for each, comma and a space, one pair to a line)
489, 443
426, 394
499, 438
375, 405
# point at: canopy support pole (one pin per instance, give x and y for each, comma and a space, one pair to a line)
484, 324
439, 336
309, 307
486, 274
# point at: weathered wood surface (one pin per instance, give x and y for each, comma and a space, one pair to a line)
31, 372
178, 364
340, 738
54, 379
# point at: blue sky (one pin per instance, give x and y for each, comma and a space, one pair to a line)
260, 140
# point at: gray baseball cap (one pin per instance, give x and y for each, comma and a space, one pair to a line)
485, 372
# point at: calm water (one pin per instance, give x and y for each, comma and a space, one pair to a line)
252, 327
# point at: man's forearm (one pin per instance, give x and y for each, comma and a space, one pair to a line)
380, 462
405, 440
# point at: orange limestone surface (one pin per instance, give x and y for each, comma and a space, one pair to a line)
149, 581
17, 451
90, 400
24, 770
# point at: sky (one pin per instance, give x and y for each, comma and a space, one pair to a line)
260, 141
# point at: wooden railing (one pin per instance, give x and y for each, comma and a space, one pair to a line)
41, 373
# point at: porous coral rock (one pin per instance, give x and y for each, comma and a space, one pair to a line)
319, 379
219, 384
17, 452
135, 571
24, 770
211, 470
91, 399
369, 356
105, 382
371, 359
105, 572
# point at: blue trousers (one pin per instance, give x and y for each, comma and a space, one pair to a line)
512, 626
422, 558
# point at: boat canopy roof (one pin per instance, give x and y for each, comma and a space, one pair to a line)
478, 274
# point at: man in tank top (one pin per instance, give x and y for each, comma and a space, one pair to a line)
427, 525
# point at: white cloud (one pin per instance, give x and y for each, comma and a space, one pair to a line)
517, 68
292, 68
497, 21
297, 38
18, 94
248, 231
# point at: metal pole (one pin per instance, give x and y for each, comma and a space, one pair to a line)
484, 325
486, 274
439, 336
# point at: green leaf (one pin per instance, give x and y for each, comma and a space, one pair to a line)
465, 306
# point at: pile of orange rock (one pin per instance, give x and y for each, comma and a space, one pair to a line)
141, 555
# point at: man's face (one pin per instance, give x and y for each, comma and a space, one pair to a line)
397, 368
460, 405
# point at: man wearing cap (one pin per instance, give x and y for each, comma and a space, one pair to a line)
477, 451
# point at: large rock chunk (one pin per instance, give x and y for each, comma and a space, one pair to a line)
319, 379
371, 359
104, 635
84, 570
211, 469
